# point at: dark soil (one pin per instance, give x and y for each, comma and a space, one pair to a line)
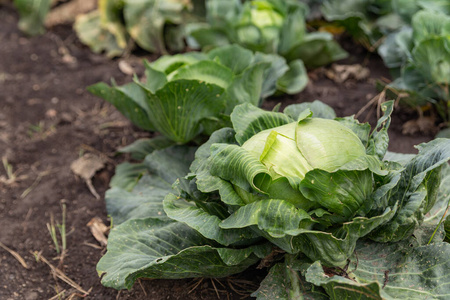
47, 120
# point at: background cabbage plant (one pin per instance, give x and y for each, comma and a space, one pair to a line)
154, 25
420, 55
412, 37
188, 94
32, 15
269, 26
331, 215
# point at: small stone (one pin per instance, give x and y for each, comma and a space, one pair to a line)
32, 296
51, 113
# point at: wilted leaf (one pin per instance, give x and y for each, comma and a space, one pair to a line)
98, 230
87, 165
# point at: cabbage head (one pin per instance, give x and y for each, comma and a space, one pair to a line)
260, 22
316, 184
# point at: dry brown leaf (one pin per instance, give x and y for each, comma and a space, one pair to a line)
425, 125
126, 68
98, 230
342, 73
86, 167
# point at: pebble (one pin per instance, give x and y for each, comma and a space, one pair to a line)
31, 296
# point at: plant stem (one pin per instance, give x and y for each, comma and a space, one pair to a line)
440, 222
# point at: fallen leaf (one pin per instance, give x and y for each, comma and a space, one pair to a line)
98, 230
126, 68
86, 167
342, 73
425, 125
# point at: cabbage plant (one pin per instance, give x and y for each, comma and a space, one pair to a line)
194, 93
412, 37
269, 26
420, 54
154, 25
32, 15
315, 198
369, 21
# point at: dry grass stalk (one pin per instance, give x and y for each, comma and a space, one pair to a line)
59, 274
142, 287
16, 255
93, 245
35, 183
58, 296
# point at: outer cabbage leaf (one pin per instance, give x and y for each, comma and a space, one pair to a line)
146, 243
128, 99
333, 247
318, 108
396, 49
354, 16
91, 33
416, 192
286, 280
295, 79
207, 71
248, 120
433, 228
153, 248
111, 19
145, 21
127, 175
316, 49
32, 15
389, 271
155, 25
138, 190
177, 109
247, 87
432, 59
427, 24
138, 204
206, 218
379, 140
276, 217
140, 148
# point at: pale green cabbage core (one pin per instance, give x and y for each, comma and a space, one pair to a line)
294, 149
266, 17
327, 144
290, 151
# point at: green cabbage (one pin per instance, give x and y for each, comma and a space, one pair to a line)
322, 200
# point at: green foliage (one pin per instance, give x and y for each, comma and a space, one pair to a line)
424, 59
269, 26
193, 93
218, 211
412, 37
366, 20
32, 15
154, 25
